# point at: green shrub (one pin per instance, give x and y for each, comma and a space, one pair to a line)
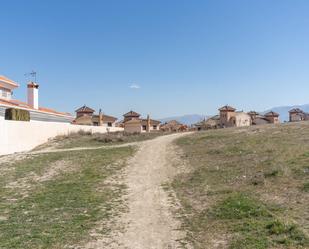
17, 114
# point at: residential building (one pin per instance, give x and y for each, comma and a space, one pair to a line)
133, 123
85, 116
173, 126
210, 123
297, 114
272, 117
257, 118
230, 118
37, 113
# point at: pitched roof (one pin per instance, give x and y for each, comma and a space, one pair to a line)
84, 108
19, 104
109, 118
271, 114
227, 108
172, 123
296, 110
106, 118
152, 122
253, 113
131, 114
8, 81
133, 121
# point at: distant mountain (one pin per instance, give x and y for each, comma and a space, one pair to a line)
284, 110
185, 119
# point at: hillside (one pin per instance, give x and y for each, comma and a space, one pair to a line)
246, 188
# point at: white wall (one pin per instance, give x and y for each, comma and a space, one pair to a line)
17, 136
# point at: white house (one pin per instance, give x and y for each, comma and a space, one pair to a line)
36, 112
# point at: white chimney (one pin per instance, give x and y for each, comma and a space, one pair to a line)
33, 95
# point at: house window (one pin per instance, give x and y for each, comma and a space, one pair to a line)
154, 127
109, 124
144, 127
4, 94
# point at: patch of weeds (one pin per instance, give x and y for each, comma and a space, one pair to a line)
62, 211
306, 187
272, 173
240, 206
255, 225
286, 234
214, 152
250, 242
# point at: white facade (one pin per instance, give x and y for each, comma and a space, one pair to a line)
242, 119
18, 136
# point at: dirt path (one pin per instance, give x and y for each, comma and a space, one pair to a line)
149, 222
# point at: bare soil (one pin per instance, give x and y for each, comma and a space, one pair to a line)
149, 221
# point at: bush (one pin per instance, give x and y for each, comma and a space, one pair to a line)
17, 114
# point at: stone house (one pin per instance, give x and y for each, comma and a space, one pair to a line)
297, 115
173, 126
133, 123
272, 117
85, 116
210, 123
229, 117
258, 119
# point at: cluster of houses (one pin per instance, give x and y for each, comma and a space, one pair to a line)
132, 121
230, 117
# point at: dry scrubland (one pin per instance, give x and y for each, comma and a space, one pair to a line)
56, 199
239, 188
86, 139
247, 188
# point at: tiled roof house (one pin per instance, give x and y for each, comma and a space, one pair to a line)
37, 112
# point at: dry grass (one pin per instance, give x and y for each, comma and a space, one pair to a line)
55, 200
247, 188
86, 139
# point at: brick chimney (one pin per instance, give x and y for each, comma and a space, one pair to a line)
100, 118
33, 95
148, 124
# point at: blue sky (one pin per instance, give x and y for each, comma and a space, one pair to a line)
185, 56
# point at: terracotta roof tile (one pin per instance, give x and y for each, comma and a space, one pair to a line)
296, 110
132, 114
227, 108
20, 104
8, 81
271, 114
84, 108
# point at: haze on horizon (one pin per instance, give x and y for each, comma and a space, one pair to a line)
165, 58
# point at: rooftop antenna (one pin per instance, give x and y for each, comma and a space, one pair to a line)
31, 76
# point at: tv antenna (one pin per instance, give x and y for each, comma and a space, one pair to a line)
31, 76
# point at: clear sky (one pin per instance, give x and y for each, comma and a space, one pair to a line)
163, 57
